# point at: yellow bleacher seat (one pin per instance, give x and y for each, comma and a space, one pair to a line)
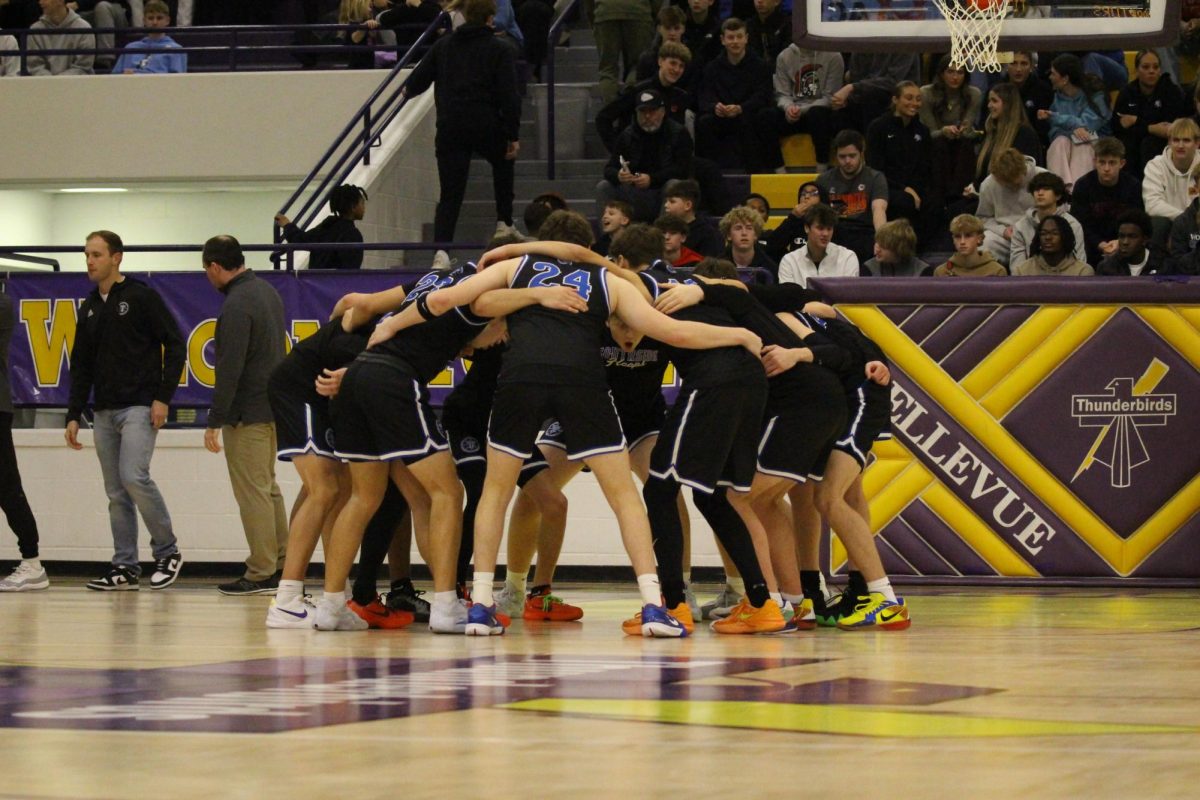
780, 190
798, 150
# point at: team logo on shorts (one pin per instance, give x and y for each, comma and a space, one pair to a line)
553, 430
122, 308
329, 439
469, 444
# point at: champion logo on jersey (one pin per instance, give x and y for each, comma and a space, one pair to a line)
916, 137
122, 308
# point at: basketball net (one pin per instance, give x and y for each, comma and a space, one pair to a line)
974, 32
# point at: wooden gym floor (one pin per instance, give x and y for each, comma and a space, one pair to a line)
1013, 693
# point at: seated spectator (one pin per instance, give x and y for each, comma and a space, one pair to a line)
789, 235
1049, 199
760, 204
616, 116
970, 260
735, 87
1134, 255
895, 252
805, 81
949, 108
156, 15
538, 209
671, 20
55, 20
1036, 94
1078, 115
358, 12
647, 154
682, 198
1144, 110
348, 204
867, 91
675, 232
1185, 229
104, 14
407, 19
898, 145
616, 217
1005, 126
819, 257
1102, 196
858, 193
702, 32
1053, 253
769, 30
1004, 199
741, 228
10, 65
1107, 65
1167, 178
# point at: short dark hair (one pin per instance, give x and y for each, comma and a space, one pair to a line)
344, 198
622, 206
756, 196
640, 244
1048, 180
685, 188
224, 251
552, 200
732, 24
670, 16
715, 268
534, 215
115, 245
847, 138
567, 226
1064, 232
478, 11
1137, 217
669, 223
822, 215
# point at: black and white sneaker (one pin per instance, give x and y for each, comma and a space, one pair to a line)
404, 597
166, 570
119, 579
245, 586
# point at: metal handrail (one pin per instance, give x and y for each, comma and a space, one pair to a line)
383, 117
24, 51
552, 42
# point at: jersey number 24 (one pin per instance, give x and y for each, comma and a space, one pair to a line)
550, 275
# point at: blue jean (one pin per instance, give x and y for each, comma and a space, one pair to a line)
125, 444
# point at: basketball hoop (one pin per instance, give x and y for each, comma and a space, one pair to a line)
974, 32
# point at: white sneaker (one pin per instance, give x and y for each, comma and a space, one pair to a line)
504, 229
510, 603
336, 617
448, 618
298, 613
441, 261
722, 606
25, 578
689, 597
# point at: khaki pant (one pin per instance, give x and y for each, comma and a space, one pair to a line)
250, 458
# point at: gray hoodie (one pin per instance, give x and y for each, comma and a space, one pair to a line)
806, 78
79, 63
1001, 207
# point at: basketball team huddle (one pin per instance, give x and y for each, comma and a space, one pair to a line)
779, 404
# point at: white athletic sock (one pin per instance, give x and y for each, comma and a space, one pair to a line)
650, 589
32, 563
335, 599
794, 599
516, 584
288, 591
481, 588
825, 591
884, 587
778, 598
738, 585
444, 598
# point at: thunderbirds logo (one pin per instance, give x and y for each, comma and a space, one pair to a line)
1127, 406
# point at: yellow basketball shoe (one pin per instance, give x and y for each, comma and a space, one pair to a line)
745, 618
875, 611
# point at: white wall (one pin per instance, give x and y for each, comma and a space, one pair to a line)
67, 497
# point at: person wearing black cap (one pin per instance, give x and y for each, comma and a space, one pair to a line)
647, 154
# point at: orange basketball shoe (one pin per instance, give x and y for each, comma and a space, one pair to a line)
541, 605
377, 615
745, 618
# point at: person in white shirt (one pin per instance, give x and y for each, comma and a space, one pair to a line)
1167, 178
820, 257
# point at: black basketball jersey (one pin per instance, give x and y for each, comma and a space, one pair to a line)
635, 377
842, 347
329, 348
430, 345
470, 404
560, 347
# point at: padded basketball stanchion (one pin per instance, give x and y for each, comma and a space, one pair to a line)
975, 32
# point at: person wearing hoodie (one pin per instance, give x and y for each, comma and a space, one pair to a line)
1049, 199
1052, 252
348, 204
1144, 110
1168, 177
1185, 229
1134, 254
970, 260
56, 20
735, 87
1077, 116
769, 29
137, 61
1004, 198
805, 81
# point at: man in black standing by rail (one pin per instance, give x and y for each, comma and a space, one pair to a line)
478, 111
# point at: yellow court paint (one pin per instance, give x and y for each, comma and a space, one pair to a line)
839, 720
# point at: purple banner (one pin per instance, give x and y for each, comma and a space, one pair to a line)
46, 308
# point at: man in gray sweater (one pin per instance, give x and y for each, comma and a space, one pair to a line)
249, 345
56, 20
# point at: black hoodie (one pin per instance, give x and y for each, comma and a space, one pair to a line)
332, 229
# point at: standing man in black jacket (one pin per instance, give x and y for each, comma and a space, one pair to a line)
128, 350
249, 345
647, 154
478, 111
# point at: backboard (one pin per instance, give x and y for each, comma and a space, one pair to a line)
858, 25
